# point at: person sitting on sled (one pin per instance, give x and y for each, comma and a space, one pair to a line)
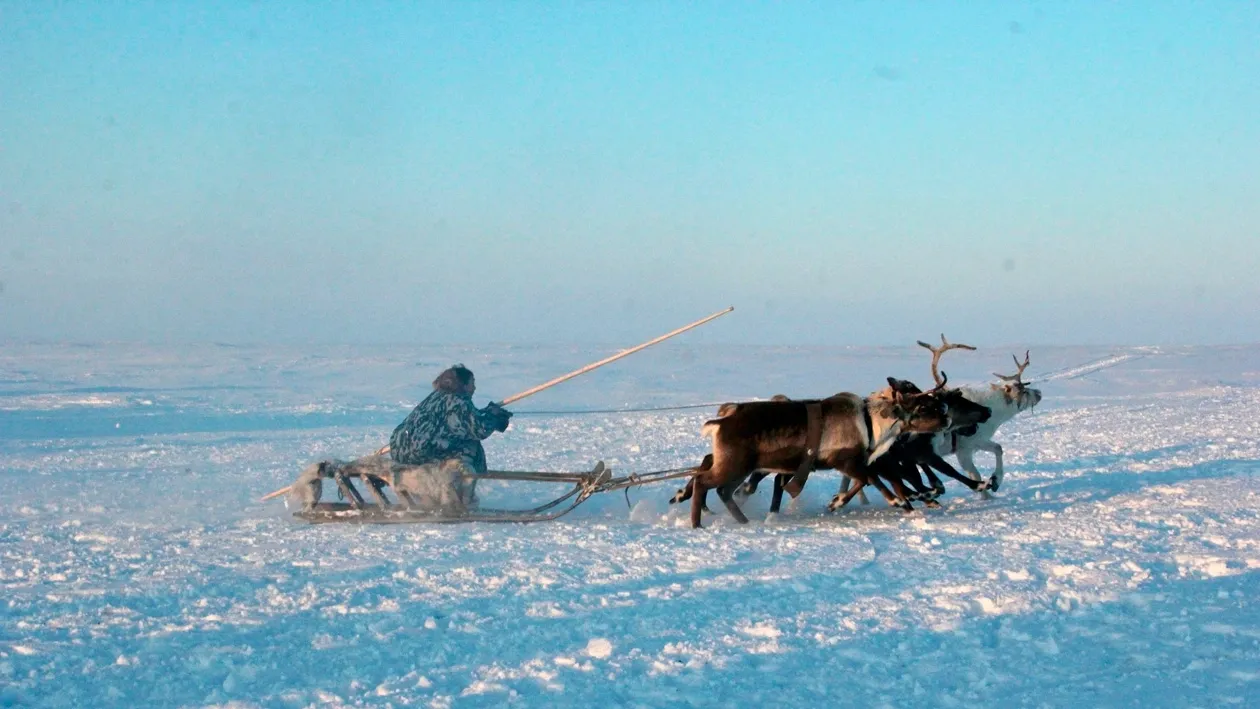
446, 426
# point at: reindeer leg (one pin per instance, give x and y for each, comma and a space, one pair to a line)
938, 488
749, 488
910, 474
844, 488
726, 494
684, 493
893, 501
699, 493
912, 489
796, 484
944, 467
925, 482
776, 497
996, 450
923, 493
997, 470
967, 460
899, 489
839, 500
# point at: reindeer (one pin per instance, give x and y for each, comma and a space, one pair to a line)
911, 450
684, 493
1005, 400
848, 431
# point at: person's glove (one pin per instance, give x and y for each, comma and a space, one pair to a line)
504, 418
501, 416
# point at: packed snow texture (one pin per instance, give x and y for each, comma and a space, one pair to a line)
1118, 565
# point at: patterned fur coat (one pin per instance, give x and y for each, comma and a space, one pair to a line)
445, 425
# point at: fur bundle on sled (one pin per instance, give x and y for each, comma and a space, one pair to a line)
434, 487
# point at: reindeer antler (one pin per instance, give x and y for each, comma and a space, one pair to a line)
946, 346
1019, 372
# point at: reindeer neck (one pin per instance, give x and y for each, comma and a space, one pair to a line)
885, 427
1001, 410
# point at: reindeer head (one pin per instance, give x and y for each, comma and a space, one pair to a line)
918, 411
1014, 389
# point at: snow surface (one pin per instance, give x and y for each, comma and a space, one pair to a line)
1118, 566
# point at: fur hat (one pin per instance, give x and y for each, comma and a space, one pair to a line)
455, 380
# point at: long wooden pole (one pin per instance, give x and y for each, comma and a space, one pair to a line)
614, 358
570, 375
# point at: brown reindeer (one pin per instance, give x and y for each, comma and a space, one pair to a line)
774, 436
684, 493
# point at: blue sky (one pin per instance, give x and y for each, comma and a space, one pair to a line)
842, 173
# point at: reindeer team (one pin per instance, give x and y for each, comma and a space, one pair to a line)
883, 440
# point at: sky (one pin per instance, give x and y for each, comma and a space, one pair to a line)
843, 173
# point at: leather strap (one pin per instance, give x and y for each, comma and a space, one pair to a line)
813, 437
870, 428
961, 433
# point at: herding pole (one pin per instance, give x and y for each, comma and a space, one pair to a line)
614, 358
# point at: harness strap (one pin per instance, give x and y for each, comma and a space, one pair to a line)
813, 437
893, 431
963, 432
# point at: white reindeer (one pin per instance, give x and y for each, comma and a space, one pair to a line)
1005, 400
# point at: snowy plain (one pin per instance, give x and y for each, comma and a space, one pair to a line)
1118, 566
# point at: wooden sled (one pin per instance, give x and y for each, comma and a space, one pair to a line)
382, 510
378, 507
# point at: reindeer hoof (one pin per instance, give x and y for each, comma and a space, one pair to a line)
994, 482
835, 504
932, 505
